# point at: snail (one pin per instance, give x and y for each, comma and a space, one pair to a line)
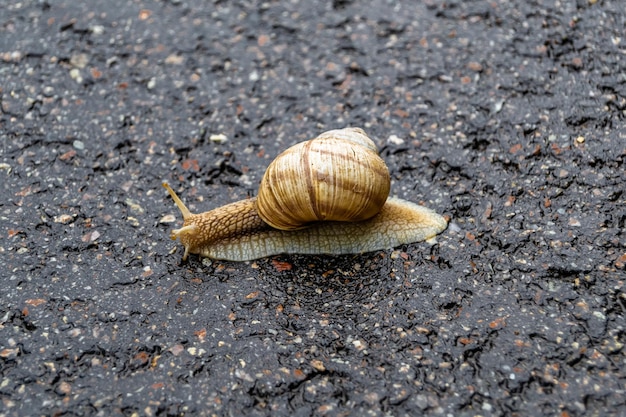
328, 195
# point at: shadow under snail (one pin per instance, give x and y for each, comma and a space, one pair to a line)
327, 195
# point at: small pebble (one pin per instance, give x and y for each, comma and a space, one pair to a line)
63, 218
395, 140
218, 138
97, 29
574, 222
79, 60
134, 206
75, 75
168, 218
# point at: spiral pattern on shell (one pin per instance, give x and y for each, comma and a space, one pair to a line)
336, 176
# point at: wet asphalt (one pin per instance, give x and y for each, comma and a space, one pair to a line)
509, 119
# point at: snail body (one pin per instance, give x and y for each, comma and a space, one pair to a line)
251, 229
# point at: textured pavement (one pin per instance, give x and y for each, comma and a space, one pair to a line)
509, 119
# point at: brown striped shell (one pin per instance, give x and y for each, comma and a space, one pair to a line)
336, 176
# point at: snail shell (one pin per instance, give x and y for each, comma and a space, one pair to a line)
336, 176
239, 232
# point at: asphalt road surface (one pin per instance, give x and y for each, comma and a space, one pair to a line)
506, 117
